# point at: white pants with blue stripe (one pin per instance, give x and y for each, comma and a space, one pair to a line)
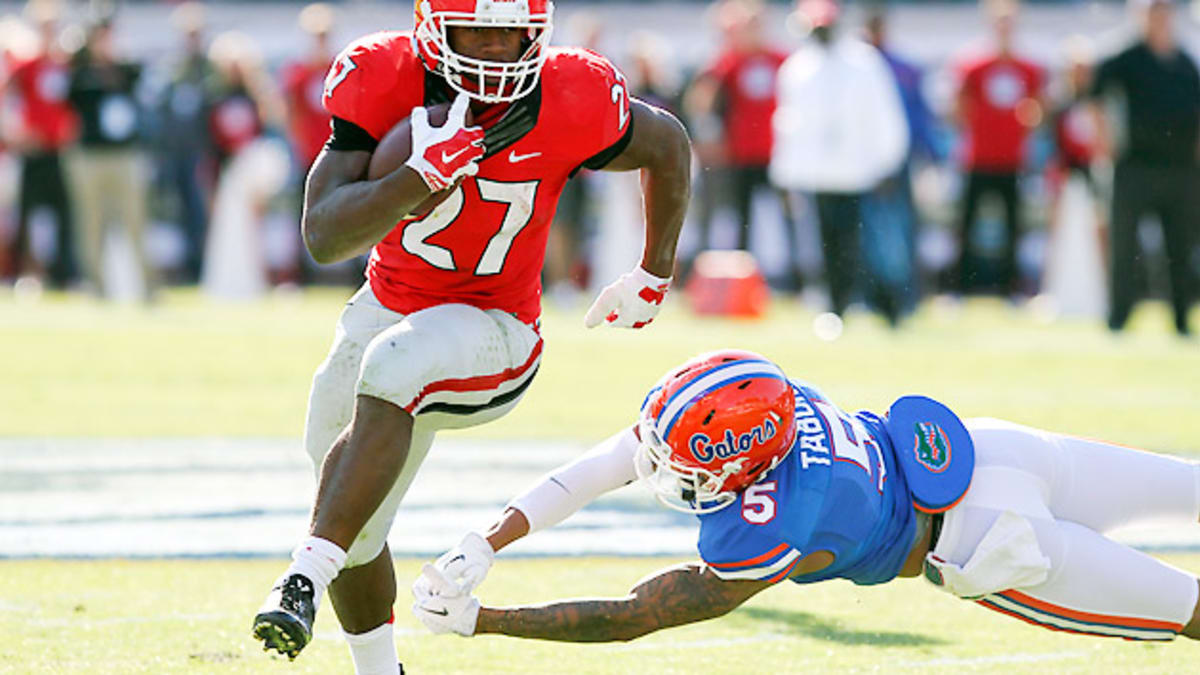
1072, 491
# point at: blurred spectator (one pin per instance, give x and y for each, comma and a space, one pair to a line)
839, 131
651, 76
890, 221
185, 144
1074, 126
1074, 267
998, 104
303, 83
253, 170
108, 171
738, 86
1158, 90
47, 126
567, 270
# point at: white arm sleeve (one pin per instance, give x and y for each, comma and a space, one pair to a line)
572, 486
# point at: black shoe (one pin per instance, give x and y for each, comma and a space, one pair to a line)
284, 623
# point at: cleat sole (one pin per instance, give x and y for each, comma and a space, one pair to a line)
278, 637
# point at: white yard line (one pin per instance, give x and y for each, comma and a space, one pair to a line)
81, 498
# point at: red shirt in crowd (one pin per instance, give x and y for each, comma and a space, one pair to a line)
1075, 135
308, 122
234, 122
747, 81
41, 84
1000, 96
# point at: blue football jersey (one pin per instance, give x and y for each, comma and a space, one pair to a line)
838, 490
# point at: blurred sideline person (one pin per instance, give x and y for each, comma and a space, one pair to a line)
891, 224
839, 131
108, 169
787, 486
1157, 88
47, 127
253, 169
999, 103
446, 333
739, 87
567, 270
184, 140
302, 82
1074, 272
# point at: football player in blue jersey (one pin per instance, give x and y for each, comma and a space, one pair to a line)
787, 486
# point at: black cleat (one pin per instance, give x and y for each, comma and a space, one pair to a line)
284, 623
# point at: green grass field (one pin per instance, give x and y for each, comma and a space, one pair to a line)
194, 617
187, 368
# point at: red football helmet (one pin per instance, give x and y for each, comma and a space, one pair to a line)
486, 80
712, 427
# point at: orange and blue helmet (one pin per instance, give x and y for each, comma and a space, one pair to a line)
713, 426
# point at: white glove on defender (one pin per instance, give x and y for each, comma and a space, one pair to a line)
632, 301
465, 565
439, 604
443, 155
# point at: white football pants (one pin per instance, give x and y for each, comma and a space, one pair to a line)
1072, 490
450, 366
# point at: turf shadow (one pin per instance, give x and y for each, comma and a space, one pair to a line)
811, 625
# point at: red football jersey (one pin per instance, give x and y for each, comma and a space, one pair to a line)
484, 245
748, 82
999, 93
42, 84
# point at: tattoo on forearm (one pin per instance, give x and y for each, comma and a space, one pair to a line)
675, 596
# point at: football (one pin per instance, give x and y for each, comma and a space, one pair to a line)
396, 146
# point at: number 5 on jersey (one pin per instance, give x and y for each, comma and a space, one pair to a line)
517, 196
758, 506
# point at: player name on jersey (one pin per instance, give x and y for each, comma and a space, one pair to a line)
812, 439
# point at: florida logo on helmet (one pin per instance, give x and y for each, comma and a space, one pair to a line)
713, 426
705, 450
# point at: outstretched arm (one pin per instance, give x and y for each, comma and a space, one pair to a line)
563, 491
675, 596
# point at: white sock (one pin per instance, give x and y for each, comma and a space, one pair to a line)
318, 559
374, 652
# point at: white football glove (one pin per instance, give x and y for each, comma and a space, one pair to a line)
467, 564
444, 155
441, 606
632, 301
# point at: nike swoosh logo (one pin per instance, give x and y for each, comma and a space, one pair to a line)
446, 159
513, 157
444, 612
457, 558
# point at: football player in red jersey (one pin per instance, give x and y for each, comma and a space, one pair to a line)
444, 334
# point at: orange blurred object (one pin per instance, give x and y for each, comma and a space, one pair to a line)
727, 283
